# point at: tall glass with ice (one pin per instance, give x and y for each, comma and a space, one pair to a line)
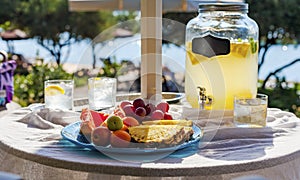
59, 94
102, 92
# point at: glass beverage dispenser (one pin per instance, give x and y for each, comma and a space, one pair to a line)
222, 56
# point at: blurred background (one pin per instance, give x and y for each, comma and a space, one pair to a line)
59, 39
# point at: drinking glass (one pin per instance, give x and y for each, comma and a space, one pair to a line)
250, 112
102, 92
59, 94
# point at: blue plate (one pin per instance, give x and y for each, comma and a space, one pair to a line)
71, 133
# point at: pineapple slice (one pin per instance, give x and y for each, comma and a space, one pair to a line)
160, 134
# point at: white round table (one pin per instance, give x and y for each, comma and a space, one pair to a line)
224, 153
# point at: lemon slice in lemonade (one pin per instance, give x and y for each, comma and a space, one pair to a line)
240, 49
53, 90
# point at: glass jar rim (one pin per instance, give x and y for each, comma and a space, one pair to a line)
223, 6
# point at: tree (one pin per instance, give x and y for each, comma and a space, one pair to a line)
8, 10
278, 21
52, 24
279, 24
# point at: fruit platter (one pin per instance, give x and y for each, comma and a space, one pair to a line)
132, 127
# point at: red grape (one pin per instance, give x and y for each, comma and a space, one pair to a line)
168, 116
138, 103
140, 111
157, 115
149, 108
124, 103
163, 106
128, 109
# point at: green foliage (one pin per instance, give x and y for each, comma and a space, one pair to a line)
109, 69
30, 88
280, 16
52, 24
54, 27
126, 20
283, 97
8, 10
6, 25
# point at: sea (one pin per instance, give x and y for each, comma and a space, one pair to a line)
129, 48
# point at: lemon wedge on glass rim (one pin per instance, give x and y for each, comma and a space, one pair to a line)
53, 90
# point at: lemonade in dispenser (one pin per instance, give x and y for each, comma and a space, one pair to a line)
221, 56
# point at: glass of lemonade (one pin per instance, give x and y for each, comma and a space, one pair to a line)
250, 112
59, 94
102, 92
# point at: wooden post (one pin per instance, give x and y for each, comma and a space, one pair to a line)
151, 38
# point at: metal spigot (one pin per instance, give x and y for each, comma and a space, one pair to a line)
201, 97
204, 100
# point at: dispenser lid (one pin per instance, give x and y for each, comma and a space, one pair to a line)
205, 6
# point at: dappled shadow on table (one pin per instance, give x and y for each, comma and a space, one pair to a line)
237, 144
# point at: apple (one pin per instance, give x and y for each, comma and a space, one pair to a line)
101, 136
114, 123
